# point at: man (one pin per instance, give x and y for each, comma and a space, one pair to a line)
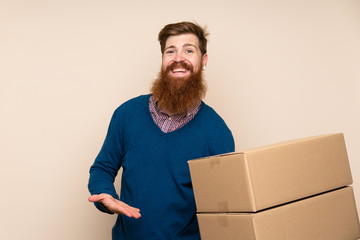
152, 137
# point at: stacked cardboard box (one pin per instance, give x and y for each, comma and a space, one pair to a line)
296, 190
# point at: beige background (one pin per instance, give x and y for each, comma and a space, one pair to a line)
277, 70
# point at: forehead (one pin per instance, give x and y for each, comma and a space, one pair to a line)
182, 39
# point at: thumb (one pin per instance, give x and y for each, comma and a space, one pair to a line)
94, 198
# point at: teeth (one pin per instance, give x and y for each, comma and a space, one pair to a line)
179, 70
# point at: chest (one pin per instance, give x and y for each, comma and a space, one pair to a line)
158, 157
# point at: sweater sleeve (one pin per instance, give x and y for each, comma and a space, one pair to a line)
107, 163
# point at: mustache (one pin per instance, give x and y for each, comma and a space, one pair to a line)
185, 65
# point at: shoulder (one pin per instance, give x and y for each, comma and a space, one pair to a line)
131, 105
210, 116
134, 106
136, 101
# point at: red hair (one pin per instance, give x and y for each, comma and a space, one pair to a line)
174, 29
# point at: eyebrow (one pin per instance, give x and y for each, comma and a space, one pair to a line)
189, 45
185, 45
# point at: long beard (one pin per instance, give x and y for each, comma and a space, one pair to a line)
178, 95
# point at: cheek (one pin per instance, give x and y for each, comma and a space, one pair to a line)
196, 65
196, 61
165, 62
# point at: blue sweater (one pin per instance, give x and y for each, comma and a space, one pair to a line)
156, 177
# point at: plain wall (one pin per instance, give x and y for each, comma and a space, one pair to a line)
277, 70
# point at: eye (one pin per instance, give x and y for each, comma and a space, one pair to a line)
169, 52
189, 51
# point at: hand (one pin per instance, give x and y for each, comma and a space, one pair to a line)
115, 205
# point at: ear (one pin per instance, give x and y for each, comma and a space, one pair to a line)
204, 60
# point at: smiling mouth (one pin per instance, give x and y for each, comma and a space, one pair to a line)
179, 70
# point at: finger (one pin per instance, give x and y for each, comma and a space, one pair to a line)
134, 209
130, 208
94, 198
134, 214
129, 211
99, 197
115, 205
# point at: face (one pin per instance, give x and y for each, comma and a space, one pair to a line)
182, 56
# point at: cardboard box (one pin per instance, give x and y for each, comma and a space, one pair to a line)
260, 178
328, 216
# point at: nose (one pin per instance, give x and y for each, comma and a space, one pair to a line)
179, 57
